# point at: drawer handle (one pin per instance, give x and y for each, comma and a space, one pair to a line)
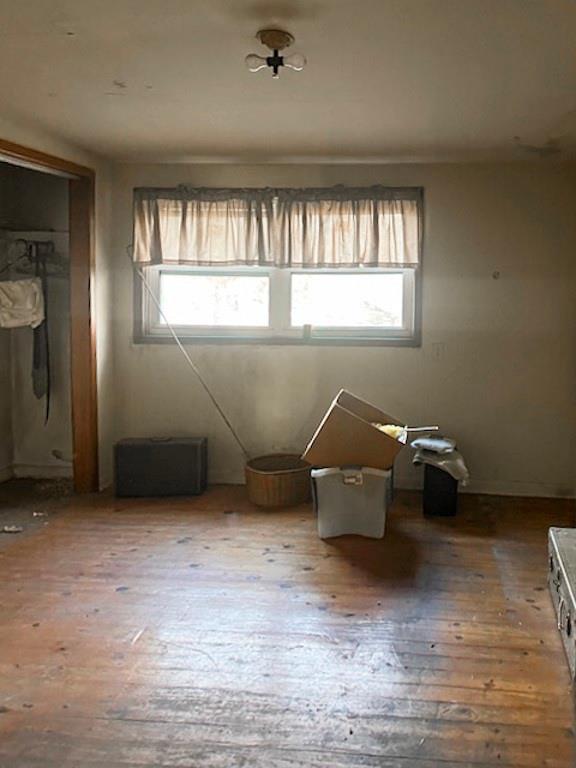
560, 614
556, 581
353, 479
564, 620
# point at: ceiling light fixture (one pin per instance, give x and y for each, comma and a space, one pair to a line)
277, 40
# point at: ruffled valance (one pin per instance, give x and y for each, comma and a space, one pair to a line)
336, 227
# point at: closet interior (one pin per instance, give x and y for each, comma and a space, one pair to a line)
35, 399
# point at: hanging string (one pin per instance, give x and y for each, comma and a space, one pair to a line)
184, 351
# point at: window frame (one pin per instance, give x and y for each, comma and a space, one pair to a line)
148, 330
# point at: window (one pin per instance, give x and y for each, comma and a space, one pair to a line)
227, 300
250, 303
332, 265
348, 300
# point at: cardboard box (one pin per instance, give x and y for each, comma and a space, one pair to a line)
346, 437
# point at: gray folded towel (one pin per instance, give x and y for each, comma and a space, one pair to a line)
438, 444
453, 463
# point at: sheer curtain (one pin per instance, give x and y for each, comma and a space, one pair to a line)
335, 227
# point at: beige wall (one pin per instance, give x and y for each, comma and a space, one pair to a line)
104, 280
497, 366
31, 136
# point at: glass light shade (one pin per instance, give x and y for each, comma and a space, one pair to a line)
255, 62
296, 61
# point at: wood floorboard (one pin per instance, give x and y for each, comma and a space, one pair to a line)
204, 633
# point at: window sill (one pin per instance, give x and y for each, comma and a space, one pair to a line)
326, 341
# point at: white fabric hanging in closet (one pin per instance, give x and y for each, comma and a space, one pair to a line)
21, 303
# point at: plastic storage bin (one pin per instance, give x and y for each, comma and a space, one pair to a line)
351, 500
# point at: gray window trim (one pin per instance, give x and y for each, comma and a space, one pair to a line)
332, 337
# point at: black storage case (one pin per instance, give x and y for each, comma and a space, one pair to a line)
167, 466
440, 497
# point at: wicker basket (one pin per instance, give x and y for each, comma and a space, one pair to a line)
278, 480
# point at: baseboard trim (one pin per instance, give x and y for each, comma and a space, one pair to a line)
6, 473
226, 478
41, 471
502, 488
484, 487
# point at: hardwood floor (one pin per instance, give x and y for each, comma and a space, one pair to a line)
207, 633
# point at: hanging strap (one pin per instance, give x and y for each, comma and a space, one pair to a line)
187, 357
41, 348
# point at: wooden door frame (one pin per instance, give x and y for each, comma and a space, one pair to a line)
81, 181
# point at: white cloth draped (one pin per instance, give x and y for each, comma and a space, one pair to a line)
21, 303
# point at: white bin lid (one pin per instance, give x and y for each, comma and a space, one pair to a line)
351, 471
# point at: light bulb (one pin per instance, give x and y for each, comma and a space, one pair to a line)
296, 61
255, 62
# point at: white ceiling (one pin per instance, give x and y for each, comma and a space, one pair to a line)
386, 79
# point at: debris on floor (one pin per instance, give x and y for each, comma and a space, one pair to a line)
27, 505
11, 529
